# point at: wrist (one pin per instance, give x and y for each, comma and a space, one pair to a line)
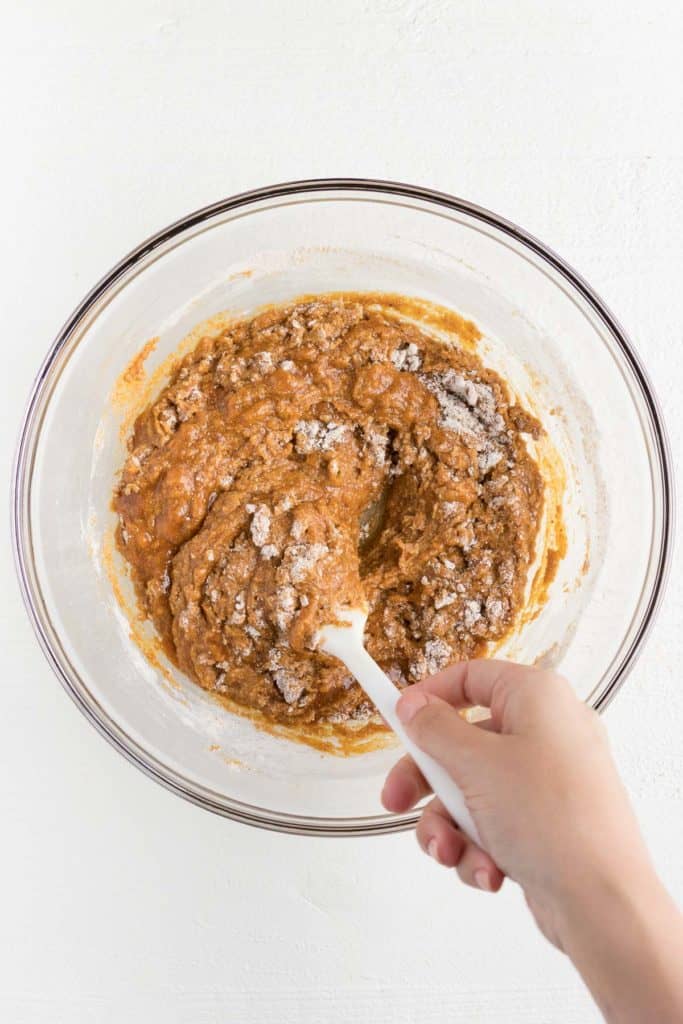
624, 935
600, 899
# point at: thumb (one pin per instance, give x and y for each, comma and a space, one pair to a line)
437, 728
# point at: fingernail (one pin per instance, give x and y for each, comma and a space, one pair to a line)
431, 849
483, 880
409, 704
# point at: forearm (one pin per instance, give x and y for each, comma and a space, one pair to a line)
625, 937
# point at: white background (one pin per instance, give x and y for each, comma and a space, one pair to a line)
119, 901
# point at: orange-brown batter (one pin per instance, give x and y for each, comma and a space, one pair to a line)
321, 454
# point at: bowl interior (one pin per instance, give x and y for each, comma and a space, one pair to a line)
538, 331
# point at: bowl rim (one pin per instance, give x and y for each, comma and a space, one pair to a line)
28, 438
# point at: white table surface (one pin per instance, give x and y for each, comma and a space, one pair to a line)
121, 902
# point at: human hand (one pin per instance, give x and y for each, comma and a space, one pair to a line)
541, 785
537, 776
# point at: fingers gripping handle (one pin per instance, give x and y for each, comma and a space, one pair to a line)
385, 695
445, 788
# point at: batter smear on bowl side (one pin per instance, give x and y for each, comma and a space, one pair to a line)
324, 453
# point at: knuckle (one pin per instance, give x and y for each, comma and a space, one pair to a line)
535, 689
423, 828
465, 874
542, 691
559, 685
424, 722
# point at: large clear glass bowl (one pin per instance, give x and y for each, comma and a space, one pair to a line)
543, 327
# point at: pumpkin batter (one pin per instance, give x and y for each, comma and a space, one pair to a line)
321, 454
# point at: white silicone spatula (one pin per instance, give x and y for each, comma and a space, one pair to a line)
345, 641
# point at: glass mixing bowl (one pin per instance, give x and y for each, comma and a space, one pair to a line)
543, 328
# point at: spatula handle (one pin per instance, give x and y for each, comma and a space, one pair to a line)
385, 695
